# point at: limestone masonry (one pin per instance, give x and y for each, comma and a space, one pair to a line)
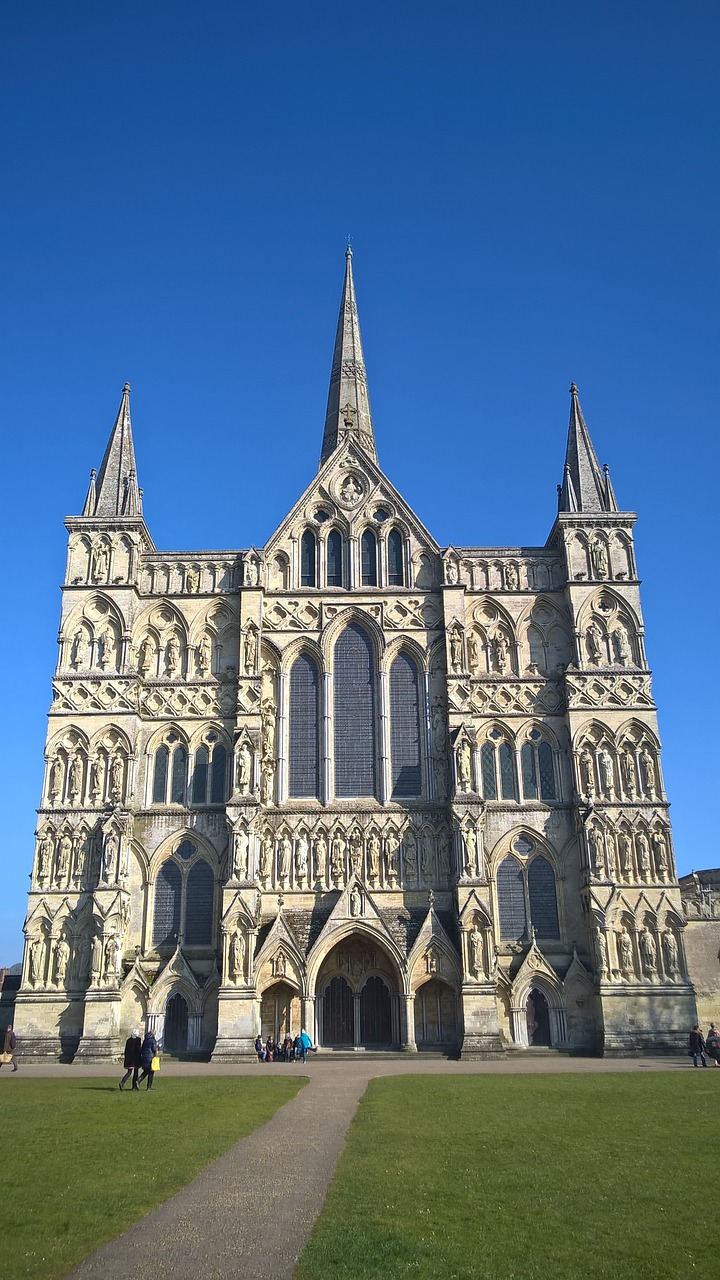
402, 795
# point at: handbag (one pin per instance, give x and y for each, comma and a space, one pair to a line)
5, 1057
155, 1064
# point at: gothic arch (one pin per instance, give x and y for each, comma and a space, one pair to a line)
590, 609
345, 930
337, 625
168, 846
301, 645
409, 646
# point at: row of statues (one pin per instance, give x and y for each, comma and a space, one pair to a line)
653, 955
608, 648
66, 962
79, 780
80, 858
629, 857
89, 649
329, 860
630, 773
465, 652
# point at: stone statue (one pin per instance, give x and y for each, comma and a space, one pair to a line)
146, 656
112, 958
82, 958
302, 849
44, 855
463, 756
511, 576
192, 581
56, 778
337, 859
355, 901
597, 851
95, 784
410, 856
456, 649
280, 966
647, 764
63, 857
473, 652
75, 779
428, 857
648, 951
244, 769
37, 959
251, 573
241, 844
471, 858
643, 855
607, 773
284, 857
625, 953
629, 774
320, 850
237, 957
100, 562
78, 649
593, 642
599, 558
452, 572
109, 856
267, 733
204, 655
116, 779
610, 850
250, 651
106, 647
267, 781
374, 852
626, 858
356, 851
266, 856
96, 959
172, 655
392, 858
350, 491
477, 964
602, 953
445, 855
622, 644
500, 652
670, 954
659, 846
62, 955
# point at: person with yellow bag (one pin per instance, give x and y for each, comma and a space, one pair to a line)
149, 1059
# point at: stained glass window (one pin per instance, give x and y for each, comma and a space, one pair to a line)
405, 727
511, 900
547, 773
487, 766
543, 899
200, 775
199, 894
368, 559
507, 772
162, 756
178, 777
307, 559
335, 559
168, 894
354, 714
304, 743
395, 558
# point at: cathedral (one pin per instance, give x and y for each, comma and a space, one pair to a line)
403, 795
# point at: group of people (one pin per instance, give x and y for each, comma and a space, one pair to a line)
701, 1045
289, 1051
141, 1055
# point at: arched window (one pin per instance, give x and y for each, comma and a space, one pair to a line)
405, 727
368, 559
159, 791
395, 574
529, 771
335, 575
304, 739
184, 900
170, 772
511, 900
487, 768
200, 775
507, 772
354, 714
217, 774
538, 775
497, 766
178, 776
543, 899
209, 770
308, 558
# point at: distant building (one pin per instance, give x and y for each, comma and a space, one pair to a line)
397, 793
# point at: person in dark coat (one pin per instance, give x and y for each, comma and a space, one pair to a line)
270, 1049
150, 1049
132, 1059
260, 1049
9, 1046
696, 1046
712, 1043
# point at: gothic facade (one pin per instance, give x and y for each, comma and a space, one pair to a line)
400, 794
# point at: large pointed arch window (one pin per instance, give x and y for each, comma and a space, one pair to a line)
354, 714
335, 559
184, 899
395, 575
308, 559
527, 896
511, 900
304, 736
368, 559
405, 727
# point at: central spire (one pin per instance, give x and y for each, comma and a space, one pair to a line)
348, 414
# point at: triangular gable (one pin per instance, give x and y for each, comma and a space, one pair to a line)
238, 904
280, 935
475, 903
535, 965
433, 934
343, 914
178, 967
578, 973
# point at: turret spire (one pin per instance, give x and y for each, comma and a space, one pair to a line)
348, 408
584, 488
116, 492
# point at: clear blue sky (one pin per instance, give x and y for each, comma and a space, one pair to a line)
532, 192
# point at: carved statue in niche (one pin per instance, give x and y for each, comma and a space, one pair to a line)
470, 843
83, 952
106, 647
510, 574
463, 756
647, 764
62, 956
477, 960
204, 655
284, 858
410, 856
597, 851
192, 581
500, 652
670, 954
337, 859
452, 571
146, 656
607, 773
587, 772
251, 571
356, 851
279, 965
629, 774
648, 952
111, 969
473, 652
445, 854
75, 779
244, 768
100, 562
37, 959
250, 651
625, 953
116, 779
56, 778
601, 952
611, 853
172, 655
320, 850
440, 746
626, 858
428, 857
95, 782
599, 557
44, 855
109, 856
241, 844
237, 957
64, 853
593, 643
643, 855
266, 856
351, 491
96, 958
267, 781
660, 850
456, 649
78, 649
374, 851
392, 859
267, 732
356, 902
622, 644
302, 849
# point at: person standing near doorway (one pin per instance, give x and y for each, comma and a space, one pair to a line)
149, 1054
712, 1043
696, 1046
9, 1047
132, 1059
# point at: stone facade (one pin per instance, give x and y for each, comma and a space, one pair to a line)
701, 902
397, 793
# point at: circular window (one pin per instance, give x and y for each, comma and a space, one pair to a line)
522, 845
321, 515
381, 514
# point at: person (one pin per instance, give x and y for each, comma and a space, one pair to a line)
712, 1044
696, 1047
9, 1047
260, 1049
150, 1050
305, 1043
287, 1049
132, 1059
270, 1048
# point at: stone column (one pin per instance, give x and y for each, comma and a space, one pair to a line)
409, 1046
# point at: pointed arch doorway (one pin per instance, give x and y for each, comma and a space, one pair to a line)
175, 1037
358, 1002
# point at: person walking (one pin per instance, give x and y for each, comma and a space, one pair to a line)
712, 1044
149, 1055
696, 1046
9, 1047
132, 1059
305, 1044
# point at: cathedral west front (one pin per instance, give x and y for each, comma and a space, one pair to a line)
406, 796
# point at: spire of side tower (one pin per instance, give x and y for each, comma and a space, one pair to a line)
116, 488
585, 487
348, 408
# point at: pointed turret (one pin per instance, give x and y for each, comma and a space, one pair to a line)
348, 408
116, 491
584, 488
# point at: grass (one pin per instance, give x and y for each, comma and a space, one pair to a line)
511, 1178
82, 1161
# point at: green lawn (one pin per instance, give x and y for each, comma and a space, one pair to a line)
511, 1177
81, 1160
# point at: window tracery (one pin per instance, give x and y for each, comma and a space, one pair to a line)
184, 899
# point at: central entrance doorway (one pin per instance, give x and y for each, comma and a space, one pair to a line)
358, 1005
176, 1024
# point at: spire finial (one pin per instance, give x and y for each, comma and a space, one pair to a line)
127, 388
117, 492
348, 247
584, 487
348, 414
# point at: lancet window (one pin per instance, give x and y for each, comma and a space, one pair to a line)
304, 730
209, 772
170, 767
368, 559
395, 573
497, 767
527, 898
537, 768
184, 899
308, 559
335, 558
405, 727
354, 714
